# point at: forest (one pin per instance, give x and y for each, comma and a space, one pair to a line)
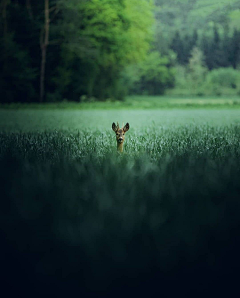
97, 50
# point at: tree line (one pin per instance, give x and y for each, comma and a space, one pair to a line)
220, 50
80, 50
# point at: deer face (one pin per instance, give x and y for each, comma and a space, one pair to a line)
120, 132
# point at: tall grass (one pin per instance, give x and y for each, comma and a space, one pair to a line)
163, 216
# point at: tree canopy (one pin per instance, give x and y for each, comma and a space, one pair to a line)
83, 45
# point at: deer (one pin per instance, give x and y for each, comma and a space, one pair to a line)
120, 135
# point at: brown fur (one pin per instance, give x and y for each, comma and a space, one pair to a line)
120, 135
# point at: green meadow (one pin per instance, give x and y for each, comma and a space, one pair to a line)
77, 215
135, 102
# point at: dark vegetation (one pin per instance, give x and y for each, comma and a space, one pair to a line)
162, 219
220, 50
55, 49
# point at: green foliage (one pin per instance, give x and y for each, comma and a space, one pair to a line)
187, 15
226, 77
183, 25
196, 79
196, 71
218, 82
77, 215
234, 17
114, 38
223, 80
113, 33
193, 76
152, 76
90, 43
105, 49
219, 46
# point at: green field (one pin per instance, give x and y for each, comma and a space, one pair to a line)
76, 214
136, 103
30, 120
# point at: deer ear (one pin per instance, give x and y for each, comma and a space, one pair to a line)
126, 127
114, 127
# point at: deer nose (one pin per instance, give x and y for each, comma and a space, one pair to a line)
120, 139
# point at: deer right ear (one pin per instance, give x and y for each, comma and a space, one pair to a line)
126, 127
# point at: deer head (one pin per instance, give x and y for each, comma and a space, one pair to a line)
120, 134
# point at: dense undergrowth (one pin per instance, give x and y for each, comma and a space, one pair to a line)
164, 215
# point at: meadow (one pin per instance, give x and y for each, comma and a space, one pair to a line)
135, 102
78, 216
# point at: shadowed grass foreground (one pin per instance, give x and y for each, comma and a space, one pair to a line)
74, 216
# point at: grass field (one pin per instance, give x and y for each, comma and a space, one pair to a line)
32, 120
137, 103
164, 215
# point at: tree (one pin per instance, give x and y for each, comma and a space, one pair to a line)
196, 68
234, 55
206, 49
152, 76
44, 40
178, 47
101, 44
84, 46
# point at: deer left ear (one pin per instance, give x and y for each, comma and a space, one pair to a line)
115, 127
126, 127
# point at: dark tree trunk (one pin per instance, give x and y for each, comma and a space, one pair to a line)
5, 3
44, 41
29, 8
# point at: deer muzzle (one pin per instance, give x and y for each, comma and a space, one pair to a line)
120, 140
